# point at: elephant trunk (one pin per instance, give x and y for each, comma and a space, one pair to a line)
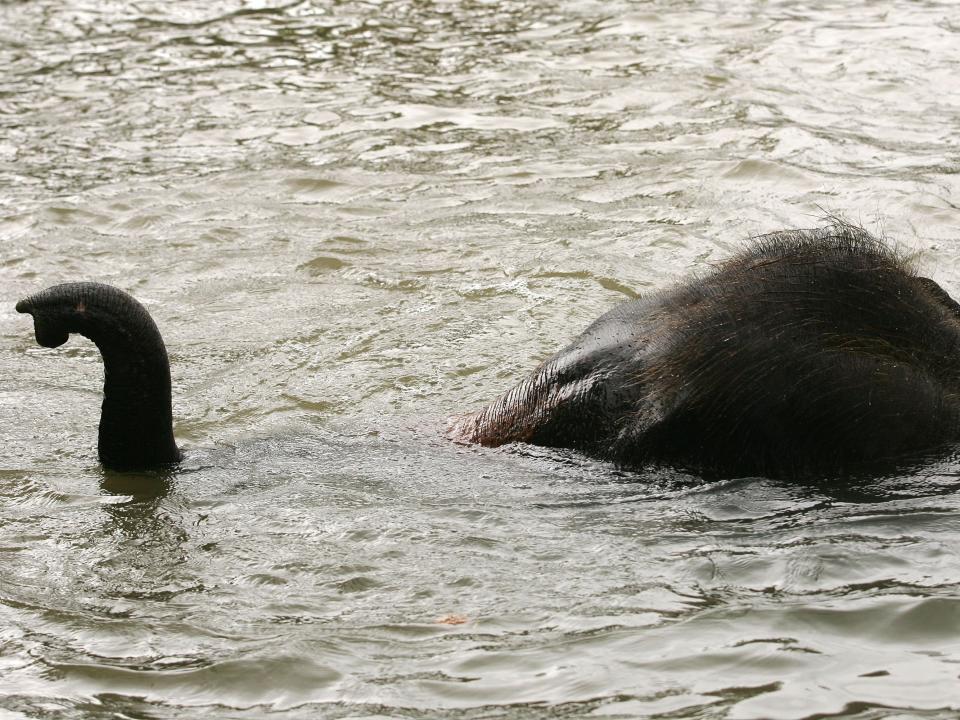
136, 422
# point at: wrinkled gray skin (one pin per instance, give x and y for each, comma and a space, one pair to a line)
136, 428
813, 352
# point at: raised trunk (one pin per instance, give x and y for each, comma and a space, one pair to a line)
136, 422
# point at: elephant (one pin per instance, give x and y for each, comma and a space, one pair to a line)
808, 353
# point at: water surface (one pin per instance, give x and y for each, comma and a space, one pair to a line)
351, 219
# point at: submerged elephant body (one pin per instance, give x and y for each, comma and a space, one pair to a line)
812, 352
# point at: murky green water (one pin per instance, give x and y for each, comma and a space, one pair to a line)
351, 219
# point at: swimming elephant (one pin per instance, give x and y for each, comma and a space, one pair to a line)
136, 421
810, 353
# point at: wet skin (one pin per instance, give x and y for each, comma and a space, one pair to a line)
810, 353
136, 426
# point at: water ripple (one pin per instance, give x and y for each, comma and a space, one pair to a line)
352, 219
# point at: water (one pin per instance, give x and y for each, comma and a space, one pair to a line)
352, 219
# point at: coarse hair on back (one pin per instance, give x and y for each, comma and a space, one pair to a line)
839, 239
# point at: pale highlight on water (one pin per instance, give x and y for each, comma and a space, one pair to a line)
353, 219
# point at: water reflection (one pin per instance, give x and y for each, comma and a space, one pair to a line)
145, 486
148, 534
